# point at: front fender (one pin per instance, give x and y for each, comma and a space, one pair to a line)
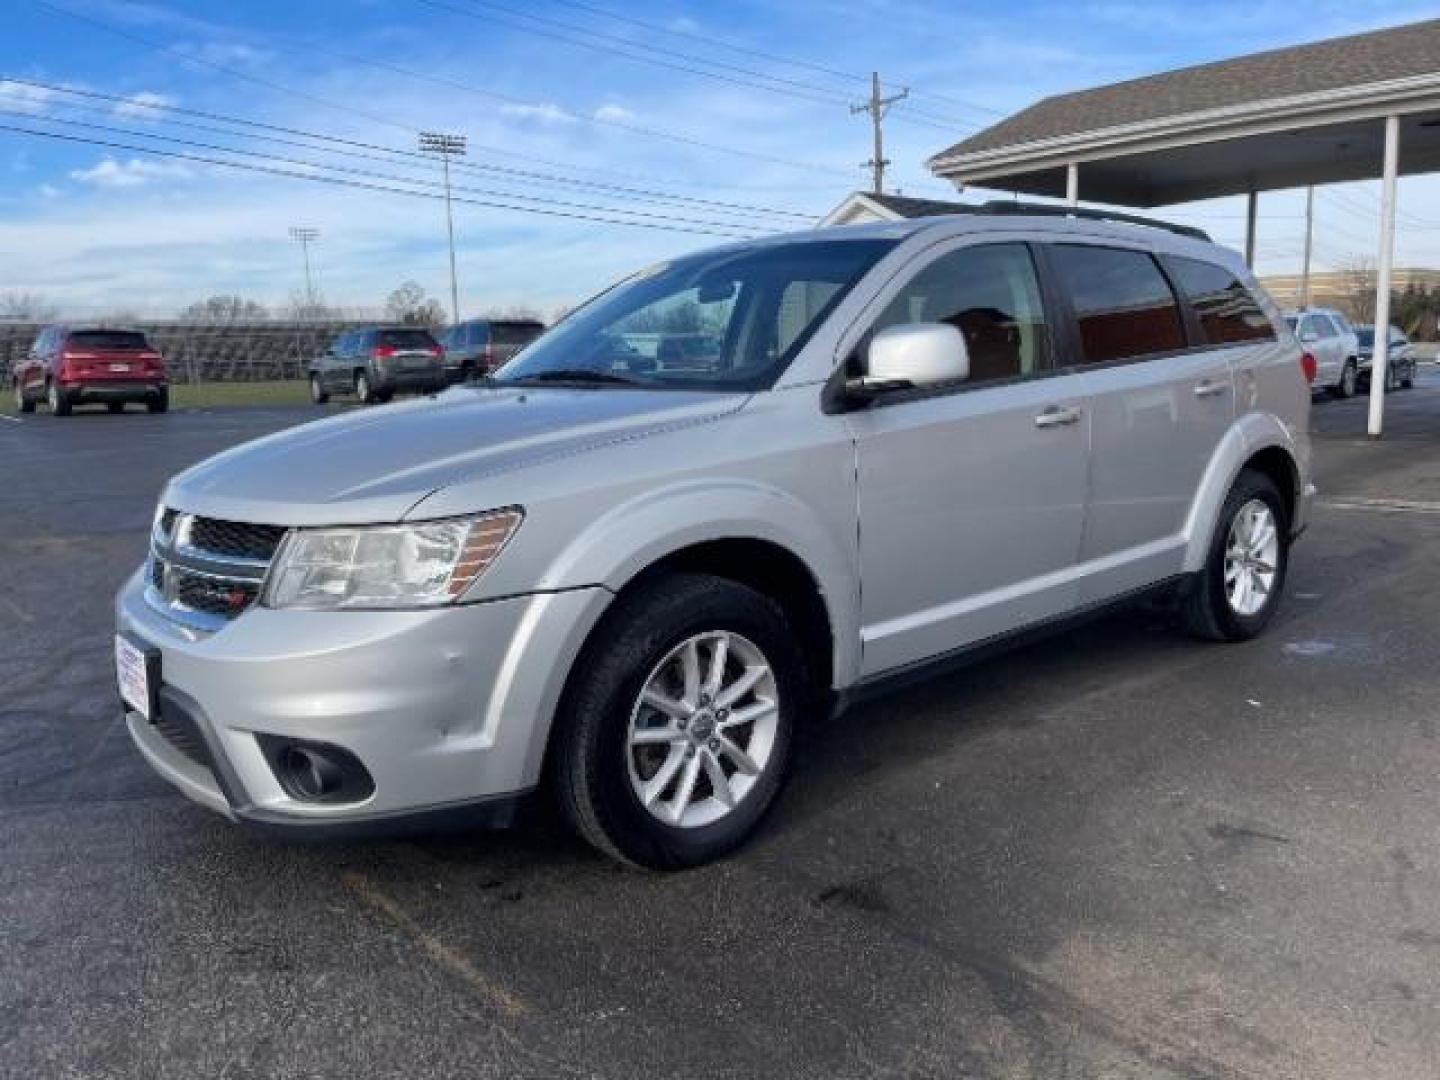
1247, 436
641, 531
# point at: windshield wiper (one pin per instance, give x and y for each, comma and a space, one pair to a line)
577, 375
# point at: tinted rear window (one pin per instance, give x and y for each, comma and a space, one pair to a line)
1122, 302
1225, 307
515, 333
1366, 336
108, 339
406, 339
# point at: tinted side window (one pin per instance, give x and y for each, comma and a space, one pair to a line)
479, 333
990, 293
1226, 309
1123, 304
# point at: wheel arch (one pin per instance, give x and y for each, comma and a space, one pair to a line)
1257, 441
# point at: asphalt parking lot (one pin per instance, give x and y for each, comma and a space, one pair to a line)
1116, 853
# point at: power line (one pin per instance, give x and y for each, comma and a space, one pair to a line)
615, 45
851, 76
350, 171
673, 224
409, 129
357, 149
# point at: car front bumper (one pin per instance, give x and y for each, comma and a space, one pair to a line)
448, 709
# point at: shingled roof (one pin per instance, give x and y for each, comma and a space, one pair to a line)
1338, 63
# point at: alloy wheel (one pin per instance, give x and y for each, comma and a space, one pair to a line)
1252, 557
703, 729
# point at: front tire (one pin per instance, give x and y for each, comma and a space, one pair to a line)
363, 390
1234, 597
1349, 376
159, 403
22, 402
317, 392
674, 737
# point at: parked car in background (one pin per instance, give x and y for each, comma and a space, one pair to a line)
1327, 336
66, 367
912, 440
1400, 362
377, 363
479, 346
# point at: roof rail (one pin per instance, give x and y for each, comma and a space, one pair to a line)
1007, 206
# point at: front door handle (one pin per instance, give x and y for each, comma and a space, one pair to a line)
1209, 389
1057, 415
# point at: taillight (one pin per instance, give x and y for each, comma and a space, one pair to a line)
1307, 365
382, 351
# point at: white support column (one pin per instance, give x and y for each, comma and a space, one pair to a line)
1252, 205
1380, 359
1072, 184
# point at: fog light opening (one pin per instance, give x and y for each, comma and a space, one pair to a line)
317, 772
310, 772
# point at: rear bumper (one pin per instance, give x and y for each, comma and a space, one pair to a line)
113, 390
421, 380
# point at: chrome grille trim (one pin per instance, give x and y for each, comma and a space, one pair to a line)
186, 582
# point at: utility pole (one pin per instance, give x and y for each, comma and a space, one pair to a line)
877, 107
304, 235
447, 146
1309, 235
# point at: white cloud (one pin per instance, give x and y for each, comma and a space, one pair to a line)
143, 104
19, 97
110, 173
546, 113
614, 114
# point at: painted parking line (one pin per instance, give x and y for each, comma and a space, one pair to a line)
11, 419
1384, 506
432, 947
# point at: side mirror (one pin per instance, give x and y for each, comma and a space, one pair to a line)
912, 355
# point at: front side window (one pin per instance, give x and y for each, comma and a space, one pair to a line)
990, 293
723, 320
1225, 307
1123, 304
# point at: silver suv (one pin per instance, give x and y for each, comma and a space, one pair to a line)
630, 582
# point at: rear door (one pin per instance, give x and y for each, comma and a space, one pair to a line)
1160, 403
971, 496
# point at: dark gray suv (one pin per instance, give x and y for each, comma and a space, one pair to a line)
374, 364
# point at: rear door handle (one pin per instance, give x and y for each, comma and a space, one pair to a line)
1209, 389
1057, 415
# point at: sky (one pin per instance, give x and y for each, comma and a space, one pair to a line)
592, 110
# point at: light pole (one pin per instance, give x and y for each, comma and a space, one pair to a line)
304, 235
447, 146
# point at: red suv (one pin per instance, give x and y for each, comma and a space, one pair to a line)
67, 367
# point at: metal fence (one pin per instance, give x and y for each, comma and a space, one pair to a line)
227, 352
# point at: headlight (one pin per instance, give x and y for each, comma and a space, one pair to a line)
388, 566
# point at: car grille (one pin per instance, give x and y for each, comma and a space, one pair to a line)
206, 571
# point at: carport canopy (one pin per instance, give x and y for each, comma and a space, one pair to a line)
1345, 109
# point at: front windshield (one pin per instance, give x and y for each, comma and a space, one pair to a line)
726, 320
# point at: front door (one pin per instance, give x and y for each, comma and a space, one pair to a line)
971, 497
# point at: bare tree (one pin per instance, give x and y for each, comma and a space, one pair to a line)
26, 307
223, 309
1359, 289
408, 304
518, 312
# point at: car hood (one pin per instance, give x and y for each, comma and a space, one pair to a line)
373, 465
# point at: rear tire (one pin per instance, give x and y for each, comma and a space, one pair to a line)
159, 403
59, 403
612, 742
1217, 606
1349, 376
317, 392
115, 406
1408, 382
